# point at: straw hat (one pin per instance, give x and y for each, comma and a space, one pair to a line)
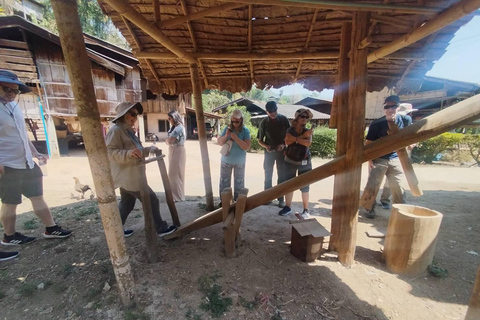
124, 107
9, 77
305, 111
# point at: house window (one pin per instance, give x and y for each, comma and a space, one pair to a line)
163, 125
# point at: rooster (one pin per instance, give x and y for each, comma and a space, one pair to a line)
81, 188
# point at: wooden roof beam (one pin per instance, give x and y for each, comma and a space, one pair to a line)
156, 11
250, 31
194, 42
200, 14
309, 36
344, 6
242, 56
452, 14
123, 8
392, 21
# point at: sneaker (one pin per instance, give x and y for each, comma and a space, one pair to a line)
370, 214
127, 232
16, 239
4, 256
281, 203
285, 211
56, 232
385, 205
169, 230
305, 214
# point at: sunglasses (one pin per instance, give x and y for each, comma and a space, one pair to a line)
237, 121
303, 116
390, 107
134, 114
10, 90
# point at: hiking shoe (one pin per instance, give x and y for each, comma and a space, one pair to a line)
56, 232
4, 256
285, 211
281, 203
370, 214
127, 232
169, 230
305, 214
385, 205
16, 239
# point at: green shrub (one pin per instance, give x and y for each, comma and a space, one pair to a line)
324, 142
473, 143
253, 137
428, 150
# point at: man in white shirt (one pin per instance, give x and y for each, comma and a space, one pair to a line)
19, 174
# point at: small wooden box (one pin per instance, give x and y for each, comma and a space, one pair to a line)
307, 239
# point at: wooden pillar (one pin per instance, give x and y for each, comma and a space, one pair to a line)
347, 233
80, 73
341, 115
202, 136
150, 230
473, 312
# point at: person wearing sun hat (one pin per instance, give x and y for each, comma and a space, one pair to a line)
298, 158
238, 135
19, 174
124, 150
388, 164
271, 136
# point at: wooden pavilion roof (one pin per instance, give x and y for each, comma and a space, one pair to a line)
275, 42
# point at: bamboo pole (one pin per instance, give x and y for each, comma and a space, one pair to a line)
202, 136
124, 9
199, 14
242, 56
455, 12
343, 6
340, 113
457, 115
167, 187
79, 70
473, 311
347, 233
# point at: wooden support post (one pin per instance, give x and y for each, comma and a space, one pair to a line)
168, 189
341, 116
455, 116
226, 201
80, 73
228, 217
406, 164
473, 312
150, 230
239, 211
202, 136
347, 233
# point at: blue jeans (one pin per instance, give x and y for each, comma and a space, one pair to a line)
268, 163
226, 178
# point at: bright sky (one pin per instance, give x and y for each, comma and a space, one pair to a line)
461, 61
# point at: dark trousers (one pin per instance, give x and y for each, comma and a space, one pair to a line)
127, 202
268, 163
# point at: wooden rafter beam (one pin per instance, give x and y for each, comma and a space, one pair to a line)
139, 45
194, 42
243, 56
392, 21
307, 41
124, 9
200, 14
156, 11
344, 6
250, 31
452, 14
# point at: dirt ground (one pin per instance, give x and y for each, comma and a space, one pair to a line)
73, 279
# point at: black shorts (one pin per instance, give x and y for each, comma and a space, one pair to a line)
15, 182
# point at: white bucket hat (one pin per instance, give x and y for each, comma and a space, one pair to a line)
405, 108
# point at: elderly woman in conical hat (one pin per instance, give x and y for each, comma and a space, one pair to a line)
124, 150
237, 136
298, 158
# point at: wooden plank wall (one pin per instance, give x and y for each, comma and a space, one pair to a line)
16, 57
161, 105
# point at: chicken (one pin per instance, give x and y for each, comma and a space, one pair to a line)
81, 188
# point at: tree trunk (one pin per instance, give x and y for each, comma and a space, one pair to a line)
79, 70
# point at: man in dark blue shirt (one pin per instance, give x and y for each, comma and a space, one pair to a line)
388, 164
271, 136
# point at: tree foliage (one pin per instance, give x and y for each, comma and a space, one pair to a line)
214, 98
473, 143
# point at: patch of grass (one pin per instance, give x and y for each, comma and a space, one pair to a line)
139, 215
136, 315
176, 295
435, 270
27, 289
202, 206
30, 224
192, 315
86, 211
249, 305
2, 295
68, 269
93, 293
215, 303
59, 288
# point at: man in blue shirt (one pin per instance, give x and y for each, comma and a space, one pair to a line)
388, 164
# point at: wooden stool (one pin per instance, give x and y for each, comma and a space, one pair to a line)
307, 239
